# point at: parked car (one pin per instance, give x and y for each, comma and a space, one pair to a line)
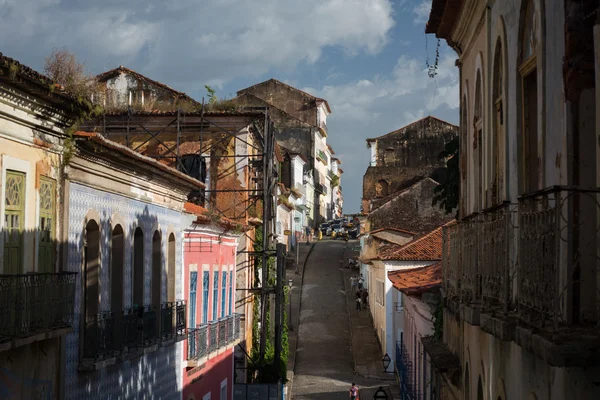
323, 228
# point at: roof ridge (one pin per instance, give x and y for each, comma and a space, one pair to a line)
291, 87
122, 68
409, 125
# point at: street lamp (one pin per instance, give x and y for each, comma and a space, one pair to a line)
386, 362
380, 394
290, 326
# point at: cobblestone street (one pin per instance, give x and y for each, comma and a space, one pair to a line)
324, 358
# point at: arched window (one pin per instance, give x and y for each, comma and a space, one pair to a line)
156, 269
382, 188
463, 156
496, 170
138, 268
171, 248
477, 141
91, 270
528, 69
117, 259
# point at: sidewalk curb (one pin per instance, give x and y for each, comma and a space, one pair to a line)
292, 373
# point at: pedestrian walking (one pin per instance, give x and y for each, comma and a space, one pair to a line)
353, 392
365, 297
361, 280
307, 231
352, 282
358, 301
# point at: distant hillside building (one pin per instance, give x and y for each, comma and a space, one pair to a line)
405, 156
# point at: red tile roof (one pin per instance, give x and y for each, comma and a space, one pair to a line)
391, 229
205, 219
425, 248
417, 280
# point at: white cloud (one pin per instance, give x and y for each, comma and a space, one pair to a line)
374, 106
421, 12
189, 40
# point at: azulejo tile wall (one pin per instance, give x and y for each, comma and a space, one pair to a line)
156, 374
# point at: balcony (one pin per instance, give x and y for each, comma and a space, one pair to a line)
529, 273
35, 307
406, 373
208, 340
110, 338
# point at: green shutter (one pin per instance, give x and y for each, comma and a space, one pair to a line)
47, 224
14, 203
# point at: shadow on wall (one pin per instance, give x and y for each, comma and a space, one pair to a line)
149, 367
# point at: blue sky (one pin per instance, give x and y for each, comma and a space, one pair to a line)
366, 57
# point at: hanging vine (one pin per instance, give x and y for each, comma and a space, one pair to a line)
432, 69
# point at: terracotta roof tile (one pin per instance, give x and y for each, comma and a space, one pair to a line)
417, 280
205, 219
425, 248
390, 229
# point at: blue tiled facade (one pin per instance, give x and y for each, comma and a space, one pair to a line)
155, 375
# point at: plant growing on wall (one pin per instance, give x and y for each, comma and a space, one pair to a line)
447, 193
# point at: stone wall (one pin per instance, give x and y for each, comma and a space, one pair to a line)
288, 99
412, 151
411, 210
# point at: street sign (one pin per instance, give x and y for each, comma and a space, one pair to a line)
287, 232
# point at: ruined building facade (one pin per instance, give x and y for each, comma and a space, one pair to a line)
405, 156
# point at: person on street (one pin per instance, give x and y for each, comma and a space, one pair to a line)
358, 301
365, 297
353, 392
361, 280
307, 230
352, 282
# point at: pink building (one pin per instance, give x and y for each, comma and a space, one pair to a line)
209, 254
420, 291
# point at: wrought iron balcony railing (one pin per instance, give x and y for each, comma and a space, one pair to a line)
35, 303
539, 259
406, 373
215, 335
558, 258
498, 227
108, 335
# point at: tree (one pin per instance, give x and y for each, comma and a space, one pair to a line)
211, 94
447, 193
335, 181
63, 68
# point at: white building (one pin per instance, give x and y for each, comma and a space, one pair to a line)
521, 268
419, 291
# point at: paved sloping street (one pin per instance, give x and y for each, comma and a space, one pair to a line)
324, 359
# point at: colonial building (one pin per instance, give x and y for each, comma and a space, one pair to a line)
418, 291
301, 119
520, 268
386, 303
209, 254
123, 213
401, 157
122, 87
37, 294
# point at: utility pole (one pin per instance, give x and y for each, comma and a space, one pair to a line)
278, 308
